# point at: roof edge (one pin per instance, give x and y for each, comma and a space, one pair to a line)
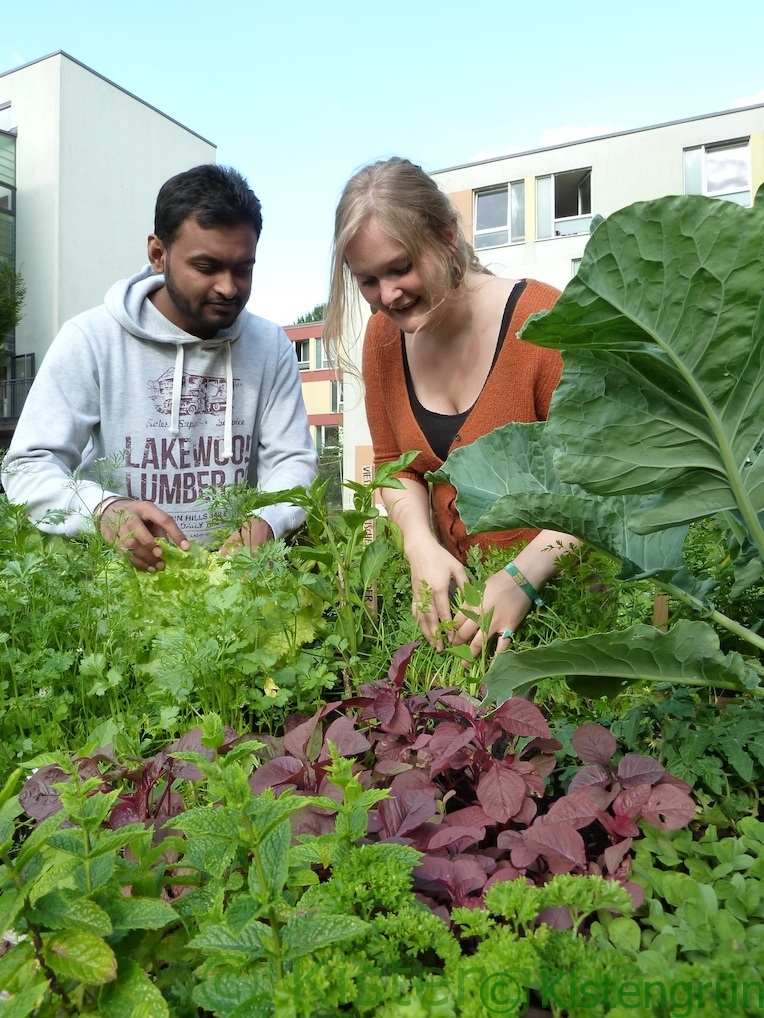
74, 60
597, 137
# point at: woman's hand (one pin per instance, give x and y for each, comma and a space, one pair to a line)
435, 574
509, 602
510, 605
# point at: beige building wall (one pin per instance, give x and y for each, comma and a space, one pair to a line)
626, 167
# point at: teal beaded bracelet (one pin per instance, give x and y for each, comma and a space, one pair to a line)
524, 583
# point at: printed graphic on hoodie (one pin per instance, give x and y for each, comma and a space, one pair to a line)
202, 394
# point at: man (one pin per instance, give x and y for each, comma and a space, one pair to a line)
169, 388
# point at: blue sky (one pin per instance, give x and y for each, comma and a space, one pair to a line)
299, 94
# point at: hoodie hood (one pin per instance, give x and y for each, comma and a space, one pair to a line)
125, 303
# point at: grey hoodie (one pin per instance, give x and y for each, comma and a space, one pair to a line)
126, 403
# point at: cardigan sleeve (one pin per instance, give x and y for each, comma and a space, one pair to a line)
381, 344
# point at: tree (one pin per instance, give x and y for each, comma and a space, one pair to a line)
316, 315
12, 296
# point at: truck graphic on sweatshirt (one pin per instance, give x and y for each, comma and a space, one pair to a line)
200, 394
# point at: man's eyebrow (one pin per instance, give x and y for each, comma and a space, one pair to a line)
211, 260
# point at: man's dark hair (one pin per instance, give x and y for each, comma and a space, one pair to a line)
214, 195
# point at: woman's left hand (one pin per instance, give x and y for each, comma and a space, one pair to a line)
510, 606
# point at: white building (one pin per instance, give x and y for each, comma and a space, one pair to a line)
81, 162
528, 214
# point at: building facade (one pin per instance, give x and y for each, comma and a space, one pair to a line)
529, 213
81, 161
322, 386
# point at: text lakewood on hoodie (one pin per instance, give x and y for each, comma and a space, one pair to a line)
126, 403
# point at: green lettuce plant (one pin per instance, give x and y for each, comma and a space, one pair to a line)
657, 422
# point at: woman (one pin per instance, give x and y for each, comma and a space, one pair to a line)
442, 365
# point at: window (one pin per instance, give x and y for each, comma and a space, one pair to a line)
563, 203
575, 264
500, 215
338, 398
302, 349
719, 171
6, 118
322, 355
327, 437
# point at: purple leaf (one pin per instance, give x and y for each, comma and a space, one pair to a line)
636, 769
462, 837
383, 707
576, 810
446, 742
562, 847
401, 722
460, 704
345, 737
669, 808
556, 916
470, 816
594, 744
670, 779
400, 663
37, 797
520, 717
589, 776
500, 792
630, 801
504, 872
299, 741
405, 811
615, 854
623, 827
282, 771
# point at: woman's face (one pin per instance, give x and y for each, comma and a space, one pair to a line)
388, 278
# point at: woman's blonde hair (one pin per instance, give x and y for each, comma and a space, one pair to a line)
412, 209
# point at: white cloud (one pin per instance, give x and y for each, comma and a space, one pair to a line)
747, 100
572, 132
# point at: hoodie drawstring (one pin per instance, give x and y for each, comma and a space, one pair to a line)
177, 391
228, 430
177, 388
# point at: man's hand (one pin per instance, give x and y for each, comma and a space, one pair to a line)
134, 526
254, 533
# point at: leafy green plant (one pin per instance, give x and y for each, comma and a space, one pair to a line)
656, 423
714, 746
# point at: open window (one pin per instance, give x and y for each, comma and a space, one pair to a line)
564, 203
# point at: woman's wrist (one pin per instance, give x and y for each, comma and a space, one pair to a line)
524, 583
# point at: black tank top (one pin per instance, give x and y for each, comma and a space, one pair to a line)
440, 430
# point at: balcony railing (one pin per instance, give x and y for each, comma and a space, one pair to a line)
13, 392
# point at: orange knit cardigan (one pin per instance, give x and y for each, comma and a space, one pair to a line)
519, 388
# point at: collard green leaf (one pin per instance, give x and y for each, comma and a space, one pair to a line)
507, 479
662, 332
689, 653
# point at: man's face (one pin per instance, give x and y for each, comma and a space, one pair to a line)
208, 275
